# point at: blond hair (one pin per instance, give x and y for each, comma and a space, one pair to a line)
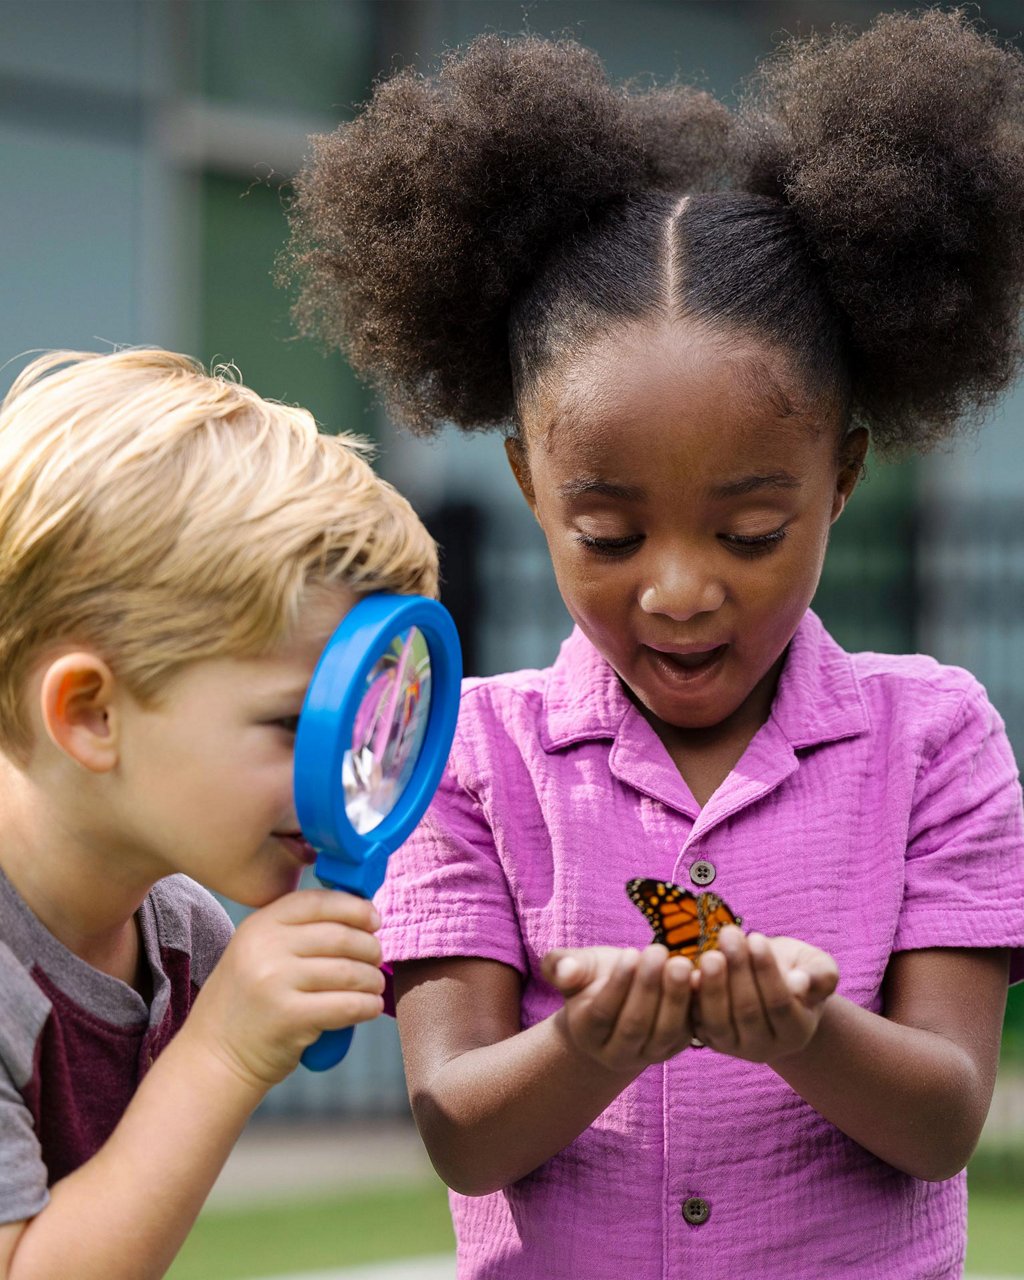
164, 515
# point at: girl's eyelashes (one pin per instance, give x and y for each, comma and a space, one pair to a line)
752, 546
742, 543
609, 546
289, 724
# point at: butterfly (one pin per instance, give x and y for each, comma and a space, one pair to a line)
687, 924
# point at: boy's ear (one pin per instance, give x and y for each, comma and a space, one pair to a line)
515, 451
76, 701
852, 453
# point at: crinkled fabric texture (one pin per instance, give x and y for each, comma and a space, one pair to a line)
877, 810
76, 1042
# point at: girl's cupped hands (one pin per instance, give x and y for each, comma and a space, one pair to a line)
756, 998
761, 998
623, 1008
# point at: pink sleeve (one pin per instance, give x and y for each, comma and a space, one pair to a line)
446, 893
964, 883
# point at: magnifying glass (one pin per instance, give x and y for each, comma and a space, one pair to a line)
372, 742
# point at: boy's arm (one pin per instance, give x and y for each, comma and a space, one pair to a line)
127, 1211
305, 963
492, 1101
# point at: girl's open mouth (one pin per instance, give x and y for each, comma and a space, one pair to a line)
688, 666
693, 661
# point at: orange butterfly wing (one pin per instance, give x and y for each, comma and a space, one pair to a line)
715, 915
685, 923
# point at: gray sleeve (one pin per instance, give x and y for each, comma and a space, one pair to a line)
212, 930
23, 1013
23, 1178
192, 919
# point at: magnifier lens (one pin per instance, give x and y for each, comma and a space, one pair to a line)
389, 730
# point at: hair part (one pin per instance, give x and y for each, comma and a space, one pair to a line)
164, 516
733, 264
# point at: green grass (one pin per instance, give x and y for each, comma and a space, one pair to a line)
347, 1229
995, 1241
408, 1221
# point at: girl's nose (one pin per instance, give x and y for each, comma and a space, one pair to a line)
680, 592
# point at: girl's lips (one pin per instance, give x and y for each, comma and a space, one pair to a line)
687, 668
297, 845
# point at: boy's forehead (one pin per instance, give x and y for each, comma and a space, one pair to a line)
321, 609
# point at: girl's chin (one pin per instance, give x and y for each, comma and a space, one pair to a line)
689, 720
690, 713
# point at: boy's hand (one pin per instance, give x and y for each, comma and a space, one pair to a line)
761, 998
623, 1008
304, 964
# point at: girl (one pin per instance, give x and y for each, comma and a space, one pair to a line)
689, 325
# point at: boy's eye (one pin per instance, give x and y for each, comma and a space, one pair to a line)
752, 546
609, 546
290, 724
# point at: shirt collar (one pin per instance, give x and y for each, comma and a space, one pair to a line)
584, 698
818, 699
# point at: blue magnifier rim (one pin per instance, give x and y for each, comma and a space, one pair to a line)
326, 724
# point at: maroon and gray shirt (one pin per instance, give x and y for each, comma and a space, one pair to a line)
75, 1042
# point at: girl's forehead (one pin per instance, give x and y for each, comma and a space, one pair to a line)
643, 391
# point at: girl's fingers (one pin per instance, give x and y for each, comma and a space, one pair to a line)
566, 971
713, 1023
822, 976
639, 1009
789, 1018
773, 985
571, 969
810, 973
670, 1031
600, 1008
798, 982
748, 1019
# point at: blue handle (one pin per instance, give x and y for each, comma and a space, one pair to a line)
328, 1051
331, 1046
346, 858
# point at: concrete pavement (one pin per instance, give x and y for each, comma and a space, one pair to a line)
441, 1268
280, 1160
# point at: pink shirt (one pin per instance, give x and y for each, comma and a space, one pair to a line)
877, 810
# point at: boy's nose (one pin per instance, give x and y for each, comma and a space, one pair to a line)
681, 592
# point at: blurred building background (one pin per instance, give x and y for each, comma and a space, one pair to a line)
145, 152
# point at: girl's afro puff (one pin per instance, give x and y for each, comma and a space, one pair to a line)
415, 225
900, 152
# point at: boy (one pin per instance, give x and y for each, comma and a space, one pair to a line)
174, 554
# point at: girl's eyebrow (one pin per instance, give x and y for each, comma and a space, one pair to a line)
751, 484
631, 493
603, 488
